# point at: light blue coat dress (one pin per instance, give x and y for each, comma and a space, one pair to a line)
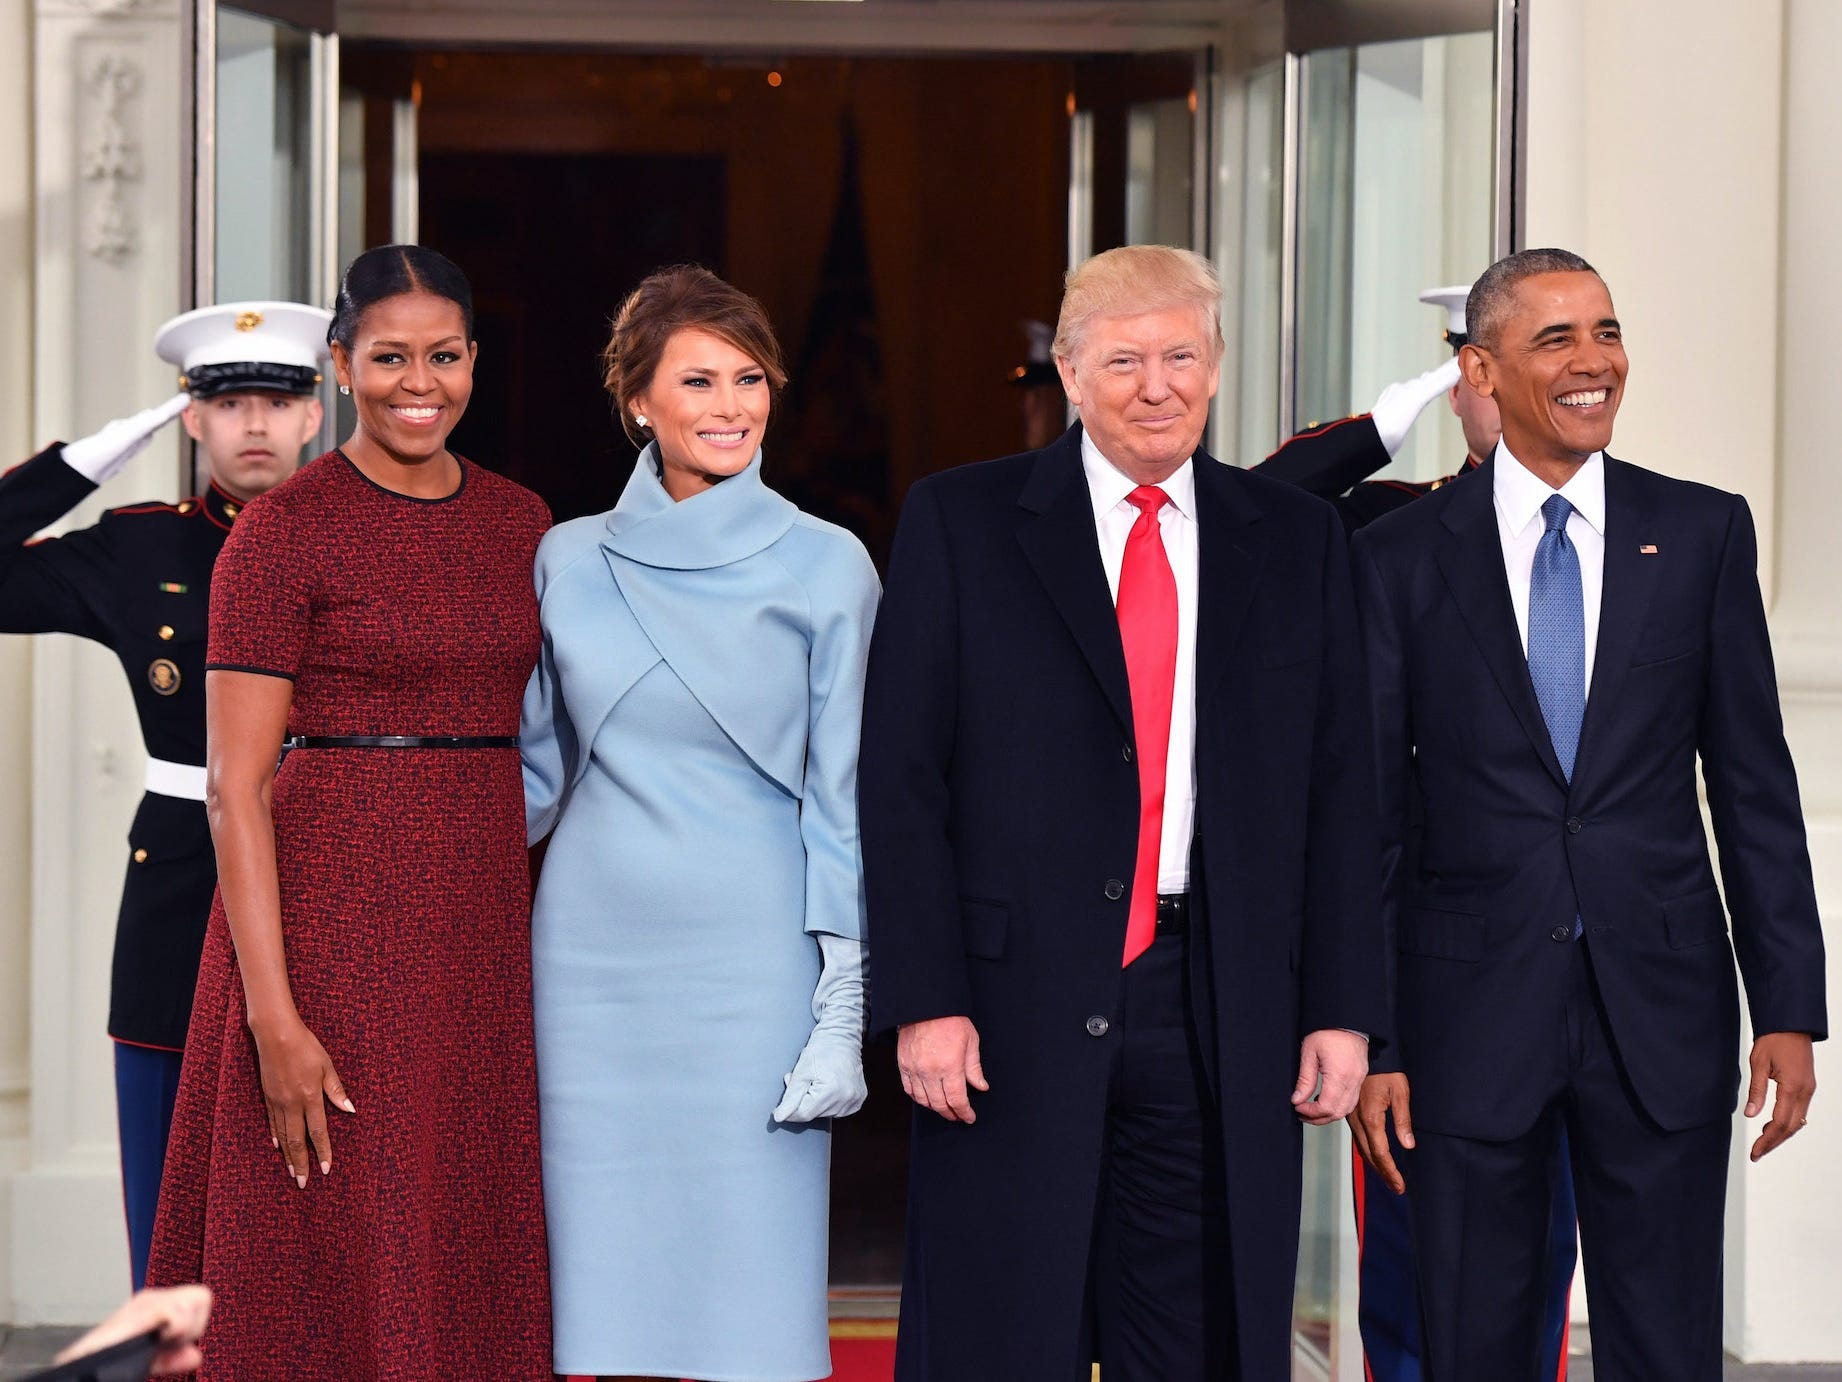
690, 737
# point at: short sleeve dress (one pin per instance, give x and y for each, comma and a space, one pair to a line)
406, 924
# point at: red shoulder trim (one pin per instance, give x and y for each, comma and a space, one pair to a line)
132, 510
1413, 487
1324, 427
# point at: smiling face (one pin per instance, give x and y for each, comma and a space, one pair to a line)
252, 440
410, 370
1142, 383
707, 405
1556, 370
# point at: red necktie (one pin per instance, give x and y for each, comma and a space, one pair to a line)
1147, 607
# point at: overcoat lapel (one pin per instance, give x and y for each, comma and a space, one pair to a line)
1230, 553
1630, 579
1060, 541
1470, 557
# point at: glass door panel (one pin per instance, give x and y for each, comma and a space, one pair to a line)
1397, 189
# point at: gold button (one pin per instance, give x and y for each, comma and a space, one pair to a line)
186, 507
166, 633
140, 856
230, 510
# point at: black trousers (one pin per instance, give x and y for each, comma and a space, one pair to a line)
1159, 1286
1652, 1205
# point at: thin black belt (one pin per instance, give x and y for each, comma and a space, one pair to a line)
400, 741
1173, 913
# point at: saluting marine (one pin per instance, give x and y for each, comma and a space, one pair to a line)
138, 582
1335, 462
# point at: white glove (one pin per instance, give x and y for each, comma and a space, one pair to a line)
100, 455
1394, 412
827, 1080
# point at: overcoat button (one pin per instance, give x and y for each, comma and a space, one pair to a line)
1573, 825
1560, 935
1114, 890
1097, 1026
140, 856
166, 633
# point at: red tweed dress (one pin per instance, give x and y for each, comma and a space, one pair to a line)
405, 910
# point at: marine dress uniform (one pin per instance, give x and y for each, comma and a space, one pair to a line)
139, 583
1334, 461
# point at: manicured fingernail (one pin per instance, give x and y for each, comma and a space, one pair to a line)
326, 1168
301, 1181
347, 1106
275, 1142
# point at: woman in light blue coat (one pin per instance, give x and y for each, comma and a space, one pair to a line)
690, 745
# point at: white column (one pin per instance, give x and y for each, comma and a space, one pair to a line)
1785, 1240
1684, 147
108, 130
15, 653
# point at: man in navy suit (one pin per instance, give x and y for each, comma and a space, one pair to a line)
1127, 939
1553, 641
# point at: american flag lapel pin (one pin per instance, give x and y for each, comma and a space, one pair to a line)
1649, 549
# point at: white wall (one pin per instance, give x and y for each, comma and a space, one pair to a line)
1686, 148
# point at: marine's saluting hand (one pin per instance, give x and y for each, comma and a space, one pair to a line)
939, 1059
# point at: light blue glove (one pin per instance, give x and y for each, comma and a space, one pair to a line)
827, 1080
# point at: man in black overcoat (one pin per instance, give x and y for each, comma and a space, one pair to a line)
1118, 825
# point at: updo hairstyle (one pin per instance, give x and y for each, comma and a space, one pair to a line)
685, 296
387, 272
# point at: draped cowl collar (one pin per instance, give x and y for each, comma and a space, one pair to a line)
727, 523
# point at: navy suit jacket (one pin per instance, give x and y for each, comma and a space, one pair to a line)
999, 807
1482, 894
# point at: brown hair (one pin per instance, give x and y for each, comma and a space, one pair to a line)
685, 296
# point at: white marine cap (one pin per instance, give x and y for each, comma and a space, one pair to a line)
276, 346
1452, 302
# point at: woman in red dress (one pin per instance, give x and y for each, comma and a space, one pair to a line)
363, 1016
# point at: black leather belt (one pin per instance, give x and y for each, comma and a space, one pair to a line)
400, 741
1173, 913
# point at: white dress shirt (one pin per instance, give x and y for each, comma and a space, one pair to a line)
1519, 495
1114, 516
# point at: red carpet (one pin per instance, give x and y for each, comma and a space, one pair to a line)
861, 1351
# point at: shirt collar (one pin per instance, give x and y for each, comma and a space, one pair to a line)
1108, 486
1520, 493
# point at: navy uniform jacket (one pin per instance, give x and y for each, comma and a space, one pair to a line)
139, 583
1334, 461
1509, 851
999, 808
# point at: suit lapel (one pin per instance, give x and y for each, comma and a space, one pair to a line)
1629, 581
1229, 556
1470, 557
1063, 547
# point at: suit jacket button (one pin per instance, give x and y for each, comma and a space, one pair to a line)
1573, 825
1097, 1026
1560, 935
1125, 752
1114, 890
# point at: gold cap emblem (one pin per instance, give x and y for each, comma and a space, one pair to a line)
248, 321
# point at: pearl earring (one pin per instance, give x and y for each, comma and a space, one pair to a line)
346, 389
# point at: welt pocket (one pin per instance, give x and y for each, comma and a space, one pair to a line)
984, 926
1673, 652
1695, 919
1441, 934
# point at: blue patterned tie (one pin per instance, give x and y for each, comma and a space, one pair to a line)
1557, 633
1557, 638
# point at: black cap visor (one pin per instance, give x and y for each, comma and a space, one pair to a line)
241, 376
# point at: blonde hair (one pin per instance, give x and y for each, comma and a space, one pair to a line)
1137, 278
